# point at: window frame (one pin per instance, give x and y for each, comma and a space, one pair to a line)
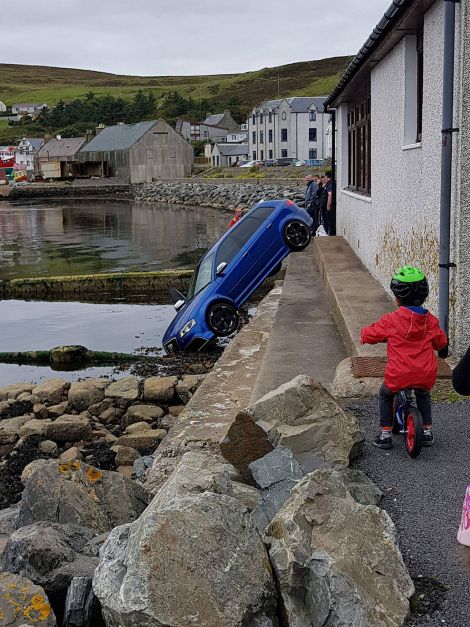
359, 146
312, 134
284, 135
419, 84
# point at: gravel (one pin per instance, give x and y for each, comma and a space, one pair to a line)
424, 498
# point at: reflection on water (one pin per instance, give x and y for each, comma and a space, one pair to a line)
95, 236
40, 326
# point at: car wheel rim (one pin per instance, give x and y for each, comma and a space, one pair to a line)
222, 319
297, 234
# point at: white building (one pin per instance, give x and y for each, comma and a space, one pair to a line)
389, 140
26, 151
228, 154
31, 108
3, 107
291, 127
238, 136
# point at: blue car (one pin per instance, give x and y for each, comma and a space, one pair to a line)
232, 270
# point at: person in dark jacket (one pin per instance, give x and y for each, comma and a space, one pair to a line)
461, 375
326, 202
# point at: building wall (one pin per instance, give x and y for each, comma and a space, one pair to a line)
399, 223
461, 254
160, 154
297, 125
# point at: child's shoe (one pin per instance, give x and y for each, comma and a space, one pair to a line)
428, 438
384, 440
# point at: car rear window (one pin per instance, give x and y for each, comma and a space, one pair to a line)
261, 213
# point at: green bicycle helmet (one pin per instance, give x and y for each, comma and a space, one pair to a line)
410, 285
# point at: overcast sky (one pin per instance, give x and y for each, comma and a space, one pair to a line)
164, 37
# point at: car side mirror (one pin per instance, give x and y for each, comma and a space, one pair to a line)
220, 268
179, 304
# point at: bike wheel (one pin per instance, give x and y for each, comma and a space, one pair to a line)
413, 432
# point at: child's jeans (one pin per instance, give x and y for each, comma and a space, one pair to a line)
423, 401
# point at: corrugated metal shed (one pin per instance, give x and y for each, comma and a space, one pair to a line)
120, 137
65, 147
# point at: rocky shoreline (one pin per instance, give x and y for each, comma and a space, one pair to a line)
219, 194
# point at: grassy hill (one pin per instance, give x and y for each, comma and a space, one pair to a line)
29, 83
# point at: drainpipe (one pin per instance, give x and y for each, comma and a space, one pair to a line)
332, 112
446, 162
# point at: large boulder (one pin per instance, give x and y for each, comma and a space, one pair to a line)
302, 416
50, 554
186, 388
275, 474
8, 522
159, 389
14, 390
51, 391
345, 384
23, 604
336, 560
194, 559
75, 492
123, 391
145, 440
10, 428
69, 428
142, 413
85, 393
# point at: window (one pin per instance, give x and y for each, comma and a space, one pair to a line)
243, 230
206, 133
283, 135
254, 118
261, 137
283, 153
261, 118
359, 146
312, 134
261, 213
254, 155
254, 137
419, 85
270, 136
270, 117
218, 160
262, 155
312, 116
201, 278
312, 153
270, 154
227, 250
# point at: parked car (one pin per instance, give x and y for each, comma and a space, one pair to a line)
286, 161
271, 162
232, 270
250, 164
300, 162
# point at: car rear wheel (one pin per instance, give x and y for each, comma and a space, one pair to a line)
296, 235
222, 319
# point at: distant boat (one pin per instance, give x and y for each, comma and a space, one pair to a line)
7, 156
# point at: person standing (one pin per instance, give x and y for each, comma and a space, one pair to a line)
326, 202
238, 215
311, 200
461, 375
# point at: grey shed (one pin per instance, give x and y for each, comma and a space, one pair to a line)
137, 153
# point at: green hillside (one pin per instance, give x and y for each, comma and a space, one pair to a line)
28, 83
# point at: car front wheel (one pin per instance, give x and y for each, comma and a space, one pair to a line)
222, 319
297, 235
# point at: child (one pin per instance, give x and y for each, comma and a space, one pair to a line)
412, 335
238, 216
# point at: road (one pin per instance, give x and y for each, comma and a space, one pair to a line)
424, 498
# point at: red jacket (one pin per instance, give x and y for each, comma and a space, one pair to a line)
411, 340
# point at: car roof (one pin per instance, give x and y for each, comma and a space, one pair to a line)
268, 203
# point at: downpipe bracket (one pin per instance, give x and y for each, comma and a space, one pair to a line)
447, 265
450, 130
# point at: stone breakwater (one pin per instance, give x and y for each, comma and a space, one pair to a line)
219, 194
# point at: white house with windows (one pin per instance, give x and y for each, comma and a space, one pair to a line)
3, 107
238, 136
199, 131
289, 127
26, 151
389, 106
224, 154
28, 108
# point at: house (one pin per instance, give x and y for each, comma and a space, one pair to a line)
224, 120
288, 127
199, 131
400, 168
57, 158
26, 151
237, 136
137, 153
3, 107
224, 154
27, 108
